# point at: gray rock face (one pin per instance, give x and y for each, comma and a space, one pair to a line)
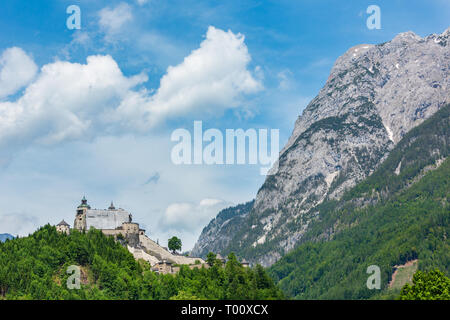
226, 224
374, 95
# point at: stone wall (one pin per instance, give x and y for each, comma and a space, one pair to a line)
129, 231
63, 229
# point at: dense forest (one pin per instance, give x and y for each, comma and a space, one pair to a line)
35, 267
398, 214
431, 285
392, 217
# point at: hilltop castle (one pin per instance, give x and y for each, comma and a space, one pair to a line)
118, 223
111, 221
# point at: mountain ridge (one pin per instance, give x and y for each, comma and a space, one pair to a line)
375, 94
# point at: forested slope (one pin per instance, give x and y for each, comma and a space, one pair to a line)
399, 213
35, 267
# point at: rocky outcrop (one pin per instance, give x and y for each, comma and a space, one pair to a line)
373, 96
226, 224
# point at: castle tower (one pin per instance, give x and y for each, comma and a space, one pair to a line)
80, 218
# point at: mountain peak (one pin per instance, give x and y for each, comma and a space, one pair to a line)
442, 39
349, 57
407, 36
375, 95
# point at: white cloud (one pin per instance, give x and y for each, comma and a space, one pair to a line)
112, 20
285, 79
18, 224
142, 2
66, 101
73, 101
212, 78
190, 217
17, 69
81, 38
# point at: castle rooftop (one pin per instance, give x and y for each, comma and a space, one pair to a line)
63, 223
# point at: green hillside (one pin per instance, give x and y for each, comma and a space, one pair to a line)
398, 214
34, 267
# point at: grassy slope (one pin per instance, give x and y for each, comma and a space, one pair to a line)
403, 275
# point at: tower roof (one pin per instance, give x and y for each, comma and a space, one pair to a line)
63, 223
84, 203
111, 207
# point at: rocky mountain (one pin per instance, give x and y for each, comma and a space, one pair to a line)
374, 95
5, 236
225, 224
397, 216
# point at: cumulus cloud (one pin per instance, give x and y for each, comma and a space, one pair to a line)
69, 101
65, 100
212, 78
17, 69
113, 19
190, 217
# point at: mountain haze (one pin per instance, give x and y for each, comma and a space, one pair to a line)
5, 236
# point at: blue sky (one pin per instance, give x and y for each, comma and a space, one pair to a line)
72, 126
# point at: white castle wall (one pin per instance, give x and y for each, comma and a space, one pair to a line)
106, 219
